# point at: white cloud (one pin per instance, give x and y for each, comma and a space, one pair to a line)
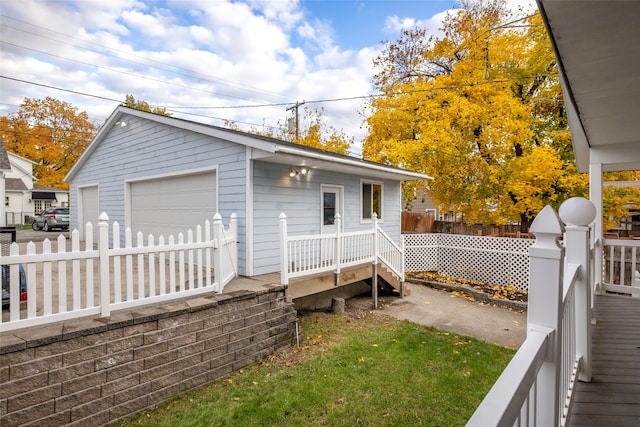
188, 53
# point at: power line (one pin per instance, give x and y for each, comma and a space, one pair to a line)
162, 66
128, 73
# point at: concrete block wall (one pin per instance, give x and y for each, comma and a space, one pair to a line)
94, 372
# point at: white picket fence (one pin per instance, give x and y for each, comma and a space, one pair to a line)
316, 253
64, 284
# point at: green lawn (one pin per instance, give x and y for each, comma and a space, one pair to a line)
361, 369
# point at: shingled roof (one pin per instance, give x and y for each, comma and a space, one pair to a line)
5, 165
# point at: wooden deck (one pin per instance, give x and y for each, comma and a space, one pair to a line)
612, 398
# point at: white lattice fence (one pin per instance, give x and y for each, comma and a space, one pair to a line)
501, 261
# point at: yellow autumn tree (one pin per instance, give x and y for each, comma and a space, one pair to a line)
314, 132
618, 197
49, 132
311, 131
481, 110
138, 104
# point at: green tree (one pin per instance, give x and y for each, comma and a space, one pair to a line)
49, 132
131, 102
481, 110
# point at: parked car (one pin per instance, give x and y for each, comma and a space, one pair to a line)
52, 218
6, 272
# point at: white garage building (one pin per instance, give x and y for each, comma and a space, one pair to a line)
163, 175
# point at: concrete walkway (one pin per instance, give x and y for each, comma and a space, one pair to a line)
443, 310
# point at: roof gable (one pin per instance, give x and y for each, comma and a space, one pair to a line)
271, 149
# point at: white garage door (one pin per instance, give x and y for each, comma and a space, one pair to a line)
171, 205
88, 212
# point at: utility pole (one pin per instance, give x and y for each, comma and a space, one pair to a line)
298, 104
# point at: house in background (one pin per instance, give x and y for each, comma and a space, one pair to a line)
162, 175
22, 198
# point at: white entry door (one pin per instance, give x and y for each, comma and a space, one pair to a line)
331, 206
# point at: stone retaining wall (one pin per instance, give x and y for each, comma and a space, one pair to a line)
96, 371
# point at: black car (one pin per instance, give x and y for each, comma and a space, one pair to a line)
6, 272
52, 218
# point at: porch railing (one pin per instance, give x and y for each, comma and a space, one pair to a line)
64, 284
622, 266
536, 388
310, 254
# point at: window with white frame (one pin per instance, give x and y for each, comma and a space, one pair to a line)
371, 197
40, 205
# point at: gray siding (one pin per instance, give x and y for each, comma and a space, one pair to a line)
146, 149
274, 192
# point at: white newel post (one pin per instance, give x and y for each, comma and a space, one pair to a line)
218, 265
546, 266
103, 252
577, 213
284, 252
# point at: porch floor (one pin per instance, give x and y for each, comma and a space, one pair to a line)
612, 398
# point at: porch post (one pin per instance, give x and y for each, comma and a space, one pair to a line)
544, 311
374, 279
284, 251
338, 251
595, 195
578, 213
103, 253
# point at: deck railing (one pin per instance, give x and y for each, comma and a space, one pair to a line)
64, 284
317, 253
536, 388
622, 266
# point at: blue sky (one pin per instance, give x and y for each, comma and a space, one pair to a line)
363, 23
205, 60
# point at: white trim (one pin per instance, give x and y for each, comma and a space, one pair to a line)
380, 214
340, 210
213, 168
81, 227
353, 162
128, 182
249, 211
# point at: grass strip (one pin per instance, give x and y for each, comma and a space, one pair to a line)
361, 369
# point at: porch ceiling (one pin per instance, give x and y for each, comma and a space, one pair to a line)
597, 44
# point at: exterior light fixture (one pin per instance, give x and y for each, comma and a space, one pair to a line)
121, 124
304, 171
293, 173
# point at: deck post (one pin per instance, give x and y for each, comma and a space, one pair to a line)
546, 261
103, 252
338, 251
284, 253
374, 279
578, 213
